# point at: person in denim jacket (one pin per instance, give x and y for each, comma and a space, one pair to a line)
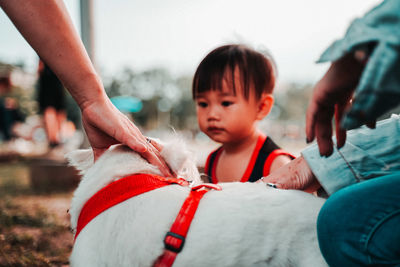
359, 225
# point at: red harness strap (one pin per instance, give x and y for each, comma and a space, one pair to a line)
119, 191
175, 238
130, 186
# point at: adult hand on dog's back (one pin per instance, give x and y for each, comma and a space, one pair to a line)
105, 126
294, 175
47, 27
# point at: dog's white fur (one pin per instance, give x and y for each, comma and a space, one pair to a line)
245, 224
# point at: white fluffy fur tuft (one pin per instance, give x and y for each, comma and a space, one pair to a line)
81, 159
181, 160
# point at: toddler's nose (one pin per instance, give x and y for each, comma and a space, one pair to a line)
213, 113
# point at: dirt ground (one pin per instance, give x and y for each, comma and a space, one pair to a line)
34, 227
35, 231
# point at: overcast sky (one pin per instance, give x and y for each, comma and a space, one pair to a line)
177, 34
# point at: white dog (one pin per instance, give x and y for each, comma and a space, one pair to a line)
244, 224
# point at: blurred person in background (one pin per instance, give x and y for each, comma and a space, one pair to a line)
51, 98
48, 28
359, 225
9, 108
9, 116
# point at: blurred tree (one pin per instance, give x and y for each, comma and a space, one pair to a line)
13, 84
25, 98
166, 101
292, 102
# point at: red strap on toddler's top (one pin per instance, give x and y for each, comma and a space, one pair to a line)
119, 191
272, 156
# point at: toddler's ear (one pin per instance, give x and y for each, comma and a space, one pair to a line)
265, 105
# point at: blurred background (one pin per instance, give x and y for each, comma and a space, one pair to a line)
146, 53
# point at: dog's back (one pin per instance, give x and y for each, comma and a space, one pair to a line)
245, 224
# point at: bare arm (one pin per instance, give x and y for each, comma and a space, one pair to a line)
47, 27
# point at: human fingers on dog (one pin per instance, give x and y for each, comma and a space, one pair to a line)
294, 175
133, 137
157, 145
280, 182
271, 180
153, 156
281, 178
105, 125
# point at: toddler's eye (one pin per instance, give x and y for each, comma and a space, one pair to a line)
202, 104
226, 103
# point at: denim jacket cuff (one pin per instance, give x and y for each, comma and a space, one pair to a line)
327, 169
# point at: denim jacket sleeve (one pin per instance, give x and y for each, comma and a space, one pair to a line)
368, 153
378, 91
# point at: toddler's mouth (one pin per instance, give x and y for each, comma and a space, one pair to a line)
215, 129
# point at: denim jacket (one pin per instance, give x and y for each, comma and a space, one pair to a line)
377, 33
368, 153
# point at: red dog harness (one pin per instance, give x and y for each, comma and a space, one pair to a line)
130, 186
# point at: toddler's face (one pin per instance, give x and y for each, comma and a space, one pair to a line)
226, 117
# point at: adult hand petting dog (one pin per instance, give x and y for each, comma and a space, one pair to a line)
105, 126
48, 28
294, 175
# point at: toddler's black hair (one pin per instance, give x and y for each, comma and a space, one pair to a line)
255, 70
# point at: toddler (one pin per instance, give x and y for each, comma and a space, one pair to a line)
232, 88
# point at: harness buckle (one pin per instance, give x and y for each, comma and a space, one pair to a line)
207, 186
174, 245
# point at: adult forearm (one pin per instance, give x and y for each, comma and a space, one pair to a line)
48, 28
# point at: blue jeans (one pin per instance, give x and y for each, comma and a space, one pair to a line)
360, 225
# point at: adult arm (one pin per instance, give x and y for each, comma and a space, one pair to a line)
47, 27
367, 154
375, 81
